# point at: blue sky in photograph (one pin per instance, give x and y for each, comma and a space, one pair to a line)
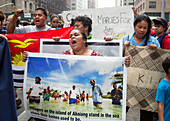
63, 73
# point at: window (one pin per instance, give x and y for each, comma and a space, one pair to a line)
25, 4
30, 6
152, 4
143, 5
130, 3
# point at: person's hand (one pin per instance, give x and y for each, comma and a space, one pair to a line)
28, 97
107, 38
126, 43
57, 38
25, 57
19, 12
153, 47
135, 11
1, 35
127, 61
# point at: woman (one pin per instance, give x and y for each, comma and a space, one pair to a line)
78, 43
141, 36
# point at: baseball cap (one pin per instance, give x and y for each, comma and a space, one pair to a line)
161, 21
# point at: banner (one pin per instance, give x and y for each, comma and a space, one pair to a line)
112, 48
114, 21
75, 88
143, 76
18, 43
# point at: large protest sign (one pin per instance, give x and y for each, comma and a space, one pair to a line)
112, 48
114, 21
143, 76
65, 91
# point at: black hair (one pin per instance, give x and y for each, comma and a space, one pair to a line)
82, 33
166, 64
93, 80
72, 22
43, 10
86, 21
53, 16
2, 16
148, 20
38, 78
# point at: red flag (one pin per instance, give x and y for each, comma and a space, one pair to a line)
19, 43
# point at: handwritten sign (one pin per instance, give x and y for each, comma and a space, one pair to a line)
114, 21
143, 76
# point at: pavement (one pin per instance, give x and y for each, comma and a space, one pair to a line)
132, 115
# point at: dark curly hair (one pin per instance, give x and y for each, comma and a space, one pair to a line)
86, 21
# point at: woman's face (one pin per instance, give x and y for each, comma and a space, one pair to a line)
76, 40
141, 28
54, 22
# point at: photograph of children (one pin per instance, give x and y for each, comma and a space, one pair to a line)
66, 86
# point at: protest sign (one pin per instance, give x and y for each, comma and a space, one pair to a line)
112, 48
143, 76
114, 21
66, 91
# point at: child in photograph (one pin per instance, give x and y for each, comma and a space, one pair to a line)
163, 93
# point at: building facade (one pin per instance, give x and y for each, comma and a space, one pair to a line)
29, 6
152, 7
83, 4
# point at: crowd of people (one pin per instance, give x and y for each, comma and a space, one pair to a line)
154, 34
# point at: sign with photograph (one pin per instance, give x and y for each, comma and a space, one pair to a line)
75, 88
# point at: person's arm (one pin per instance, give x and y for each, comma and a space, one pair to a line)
12, 24
29, 93
161, 111
135, 11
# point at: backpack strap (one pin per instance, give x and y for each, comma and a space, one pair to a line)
128, 38
161, 42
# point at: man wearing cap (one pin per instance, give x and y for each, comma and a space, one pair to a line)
160, 33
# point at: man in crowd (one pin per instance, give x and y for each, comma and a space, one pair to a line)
40, 18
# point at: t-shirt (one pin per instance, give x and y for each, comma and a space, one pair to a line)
97, 94
74, 93
36, 89
27, 29
163, 95
130, 38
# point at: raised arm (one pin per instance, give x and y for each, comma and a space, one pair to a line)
12, 24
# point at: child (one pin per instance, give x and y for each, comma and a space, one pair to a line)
163, 93
54, 21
